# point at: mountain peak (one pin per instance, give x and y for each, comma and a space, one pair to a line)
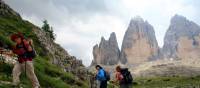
112, 36
178, 19
139, 38
137, 19
102, 38
108, 51
179, 29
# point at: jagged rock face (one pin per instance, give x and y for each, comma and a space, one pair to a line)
59, 56
167, 68
107, 52
182, 39
6, 11
139, 43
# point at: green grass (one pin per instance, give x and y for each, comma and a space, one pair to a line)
48, 75
164, 82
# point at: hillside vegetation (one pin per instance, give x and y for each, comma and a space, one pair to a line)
49, 75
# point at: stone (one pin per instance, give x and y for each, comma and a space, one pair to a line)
139, 44
107, 52
182, 39
6, 11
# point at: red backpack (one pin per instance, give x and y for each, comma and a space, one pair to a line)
23, 52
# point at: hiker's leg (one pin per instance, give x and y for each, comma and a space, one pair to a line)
98, 83
123, 86
103, 84
130, 86
16, 73
31, 74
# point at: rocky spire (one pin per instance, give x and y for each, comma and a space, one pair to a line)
139, 43
107, 53
181, 38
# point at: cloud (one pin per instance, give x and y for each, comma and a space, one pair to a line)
79, 24
82, 41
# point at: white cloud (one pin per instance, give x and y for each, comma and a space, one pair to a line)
89, 35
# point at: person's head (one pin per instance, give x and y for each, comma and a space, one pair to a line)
98, 67
118, 68
17, 38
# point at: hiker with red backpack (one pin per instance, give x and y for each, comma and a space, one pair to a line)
123, 77
25, 52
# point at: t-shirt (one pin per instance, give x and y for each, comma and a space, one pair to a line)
119, 76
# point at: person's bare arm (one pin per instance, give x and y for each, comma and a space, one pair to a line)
30, 48
27, 45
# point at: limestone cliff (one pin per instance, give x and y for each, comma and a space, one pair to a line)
182, 39
139, 43
107, 52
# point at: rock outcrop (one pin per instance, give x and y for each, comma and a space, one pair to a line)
182, 39
6, 11
139, 43
167, 68
107, 52
59, 56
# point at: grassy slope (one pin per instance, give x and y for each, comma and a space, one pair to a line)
164, 82
48, 74
167, 82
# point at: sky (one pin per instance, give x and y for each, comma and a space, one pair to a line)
80, 24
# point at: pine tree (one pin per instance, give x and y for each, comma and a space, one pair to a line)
49, 30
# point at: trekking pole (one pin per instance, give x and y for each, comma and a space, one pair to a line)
1, 57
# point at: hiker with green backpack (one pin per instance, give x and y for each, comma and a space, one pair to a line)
25, 52
123, 77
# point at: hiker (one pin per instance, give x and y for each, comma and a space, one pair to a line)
123, 77
22, 49
101, 76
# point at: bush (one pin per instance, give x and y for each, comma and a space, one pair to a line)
6, 41
5, 71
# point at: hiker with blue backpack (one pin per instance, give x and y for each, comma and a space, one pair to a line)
102, 76
25, 52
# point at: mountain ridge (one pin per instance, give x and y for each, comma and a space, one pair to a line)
179, 27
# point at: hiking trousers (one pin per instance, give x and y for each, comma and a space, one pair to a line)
28, 67
103, 84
